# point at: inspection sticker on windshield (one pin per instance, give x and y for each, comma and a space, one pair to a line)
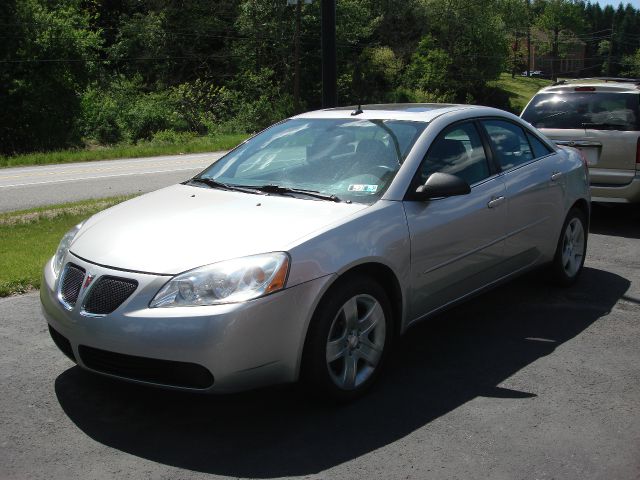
363, 188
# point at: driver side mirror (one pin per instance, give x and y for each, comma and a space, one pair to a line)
441, 185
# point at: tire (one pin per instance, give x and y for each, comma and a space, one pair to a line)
348, 340
571, 249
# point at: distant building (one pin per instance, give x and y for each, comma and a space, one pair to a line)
572, 55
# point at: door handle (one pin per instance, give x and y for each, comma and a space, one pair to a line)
495, 202
555, 176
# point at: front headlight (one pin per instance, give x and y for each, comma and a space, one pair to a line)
63, 248
231, 281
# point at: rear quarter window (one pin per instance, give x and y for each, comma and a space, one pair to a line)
579, 110
539, 148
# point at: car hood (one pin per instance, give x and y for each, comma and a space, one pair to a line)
183, 227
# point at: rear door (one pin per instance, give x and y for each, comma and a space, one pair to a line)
534, 191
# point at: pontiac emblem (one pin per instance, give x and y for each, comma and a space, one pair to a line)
87, 281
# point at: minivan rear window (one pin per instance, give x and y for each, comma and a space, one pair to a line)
590, 110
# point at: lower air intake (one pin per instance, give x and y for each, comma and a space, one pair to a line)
161, 372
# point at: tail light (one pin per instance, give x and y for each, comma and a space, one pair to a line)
583, 157
638, 153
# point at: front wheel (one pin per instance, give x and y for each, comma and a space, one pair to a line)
347, 340
571, 249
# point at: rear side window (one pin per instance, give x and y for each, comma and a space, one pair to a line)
578, 110
509, 142
539, 148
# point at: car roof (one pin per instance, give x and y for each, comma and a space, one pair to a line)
421, 112
604, 84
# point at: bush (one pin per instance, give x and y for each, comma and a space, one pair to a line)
171, 137
152, 113
124, 112
256, 101
100, 117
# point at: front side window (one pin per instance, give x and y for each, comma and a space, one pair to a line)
457, 151
352, 159
579, 110
509, 143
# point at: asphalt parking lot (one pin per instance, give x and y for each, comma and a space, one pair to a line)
526, 382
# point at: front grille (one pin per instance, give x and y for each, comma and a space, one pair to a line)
62, 343
108, 294
72, 279
162, 372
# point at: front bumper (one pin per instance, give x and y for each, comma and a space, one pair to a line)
242, 345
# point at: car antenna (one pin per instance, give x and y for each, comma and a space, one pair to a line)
357, 111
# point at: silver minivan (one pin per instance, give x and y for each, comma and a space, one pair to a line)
601, 118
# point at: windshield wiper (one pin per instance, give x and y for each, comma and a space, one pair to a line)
224, 186
285, 190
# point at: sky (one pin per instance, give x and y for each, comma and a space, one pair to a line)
615, 3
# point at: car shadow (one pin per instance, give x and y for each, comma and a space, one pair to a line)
438, 366
618, 220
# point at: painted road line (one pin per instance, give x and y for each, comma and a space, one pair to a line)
81, 179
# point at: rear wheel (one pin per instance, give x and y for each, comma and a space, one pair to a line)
571, 249
347, 340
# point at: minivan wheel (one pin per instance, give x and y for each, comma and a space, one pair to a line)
571, 250
347, 340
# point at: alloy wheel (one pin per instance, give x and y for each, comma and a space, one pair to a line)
573, 247
356, 341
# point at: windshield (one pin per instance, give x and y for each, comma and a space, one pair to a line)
353, 160
593, 110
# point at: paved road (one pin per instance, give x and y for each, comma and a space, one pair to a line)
528, 381
27, 187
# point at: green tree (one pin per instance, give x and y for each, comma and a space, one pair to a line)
46, 63
560, 20
466, 48
515, 16
630, 65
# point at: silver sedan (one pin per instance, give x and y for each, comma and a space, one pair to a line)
304, 252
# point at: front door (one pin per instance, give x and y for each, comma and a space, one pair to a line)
456, 242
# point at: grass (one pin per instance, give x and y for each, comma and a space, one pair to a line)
142, 149
28, 238
519, 89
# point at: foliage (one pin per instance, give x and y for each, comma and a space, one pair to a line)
82, 72
631, 65
467, 47
560, 20
45, 64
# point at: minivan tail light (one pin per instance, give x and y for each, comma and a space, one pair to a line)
585, 89
583, 157
638, 153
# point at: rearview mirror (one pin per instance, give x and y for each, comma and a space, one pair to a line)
442, 185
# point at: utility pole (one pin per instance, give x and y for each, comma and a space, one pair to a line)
528, 38
296, 59
613, 24
329, 68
